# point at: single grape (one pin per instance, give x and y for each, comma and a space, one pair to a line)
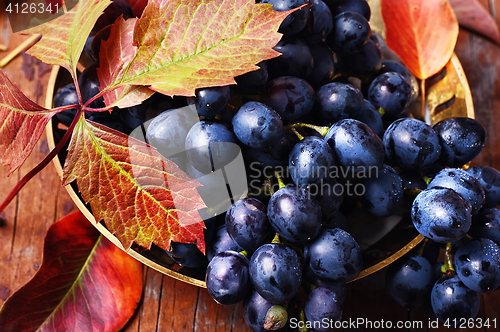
228, 278
409, 281
257, 125
394, 66
324, 67
463, 183
411, 144
355, 146
255, 309
295, 21
276, 272
451, 299
210, 145
89, 87
66, 96
337, 287
323, 304
391, 92
461, 139
294, 214
383, 194
222, 242
310, 161
254, 81
320, 22
486, 224
210, 101
336, 101
478, 265
358, 6
295, 59
334, 255
371, 117
194, 261
365, 62
247, 223
489, 178
441, 214
291, 97
181, 250
351, 32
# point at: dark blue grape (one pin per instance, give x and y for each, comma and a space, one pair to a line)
295, 59
255, 309
310, 161
323, 305
383, 194
210, 101
462, 139
291, 97
221, 242
461, 182
394, 66
336, 101
357, 6
338, 287
210, 145
89, 86
371, 117
295, 21
276, 272
489, 178
112, 121
391, 92
228, 278
324, 67
451, 299
441, 214
320, 22
181, 250
486, 224
411, 144
478, 265
129, 119
66, 96
355, 145
254, 81
351, 32
365, 62
247, 223
95, 45
294, 214
409, 281
194, 261
257, 125
329, 196
334, 255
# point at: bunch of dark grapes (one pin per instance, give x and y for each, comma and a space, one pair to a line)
307, 127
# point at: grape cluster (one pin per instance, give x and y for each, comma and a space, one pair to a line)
318, 131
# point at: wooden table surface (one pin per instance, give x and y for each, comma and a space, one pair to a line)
170, 305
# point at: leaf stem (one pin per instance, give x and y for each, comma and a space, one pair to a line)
422, 94
43, 163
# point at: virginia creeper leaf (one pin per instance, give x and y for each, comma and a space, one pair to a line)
423, 33
472, 15
85, 283
187, 44
63, 38
22, 122
141, 196
115, 52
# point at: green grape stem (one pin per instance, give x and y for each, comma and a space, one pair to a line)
280, 180
448, 263
320, 129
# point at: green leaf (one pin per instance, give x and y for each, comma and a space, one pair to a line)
140, 195
63, 38
184, 45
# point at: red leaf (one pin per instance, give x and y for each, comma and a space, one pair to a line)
85, 283
22, 122
141, 196
423, 33
184, 45
472, 15
114, 53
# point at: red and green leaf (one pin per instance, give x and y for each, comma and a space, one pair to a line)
183, 45
22, 122
85, 283
115, 52
141, 196
472, 15
63, 38
423, 33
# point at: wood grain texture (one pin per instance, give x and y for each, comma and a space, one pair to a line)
170, 305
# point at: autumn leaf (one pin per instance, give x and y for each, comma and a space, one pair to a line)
183, 45
85, 283
473, 16
141, 196
63, 38
114, 53
423, 33
22, 122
